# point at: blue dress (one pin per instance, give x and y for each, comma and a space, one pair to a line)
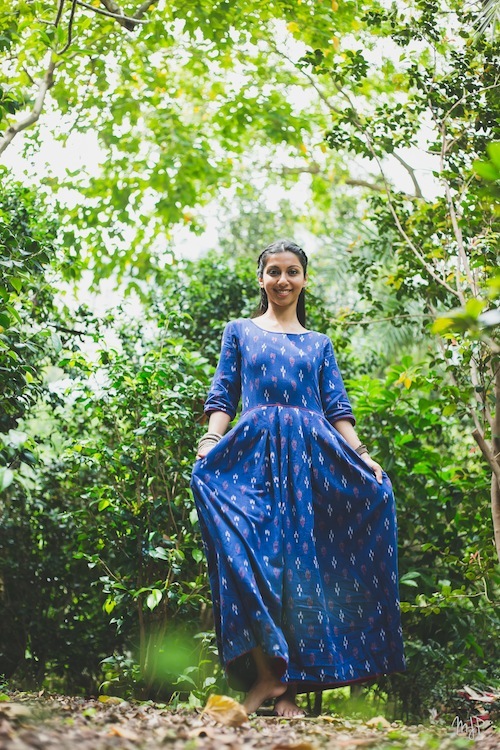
300, 539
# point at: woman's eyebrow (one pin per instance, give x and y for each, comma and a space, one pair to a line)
287, 268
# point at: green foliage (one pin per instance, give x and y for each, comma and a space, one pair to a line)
450, 583
136, 518
26, 252
100, 553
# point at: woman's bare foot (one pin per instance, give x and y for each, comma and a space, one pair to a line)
286, 705
263, 689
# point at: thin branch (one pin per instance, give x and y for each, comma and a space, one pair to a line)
59, 12
367, 321
315, 168
73, 331
309, 77
495, 436
44, 86
479, 387
487, 453
466, 94
461, 256
126, 21
28, 75
393, 211
411, 172
70, 29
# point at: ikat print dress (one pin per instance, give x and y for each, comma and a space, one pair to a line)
300, 539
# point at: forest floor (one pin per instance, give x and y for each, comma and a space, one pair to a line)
41, 722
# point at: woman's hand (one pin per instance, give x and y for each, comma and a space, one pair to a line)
204, 450
373, 465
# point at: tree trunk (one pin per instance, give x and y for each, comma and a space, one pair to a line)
495, 511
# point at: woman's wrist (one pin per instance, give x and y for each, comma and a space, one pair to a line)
361, 449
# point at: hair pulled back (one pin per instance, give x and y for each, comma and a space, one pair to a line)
281, 246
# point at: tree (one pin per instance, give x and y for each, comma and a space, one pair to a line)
444, 248
184, 103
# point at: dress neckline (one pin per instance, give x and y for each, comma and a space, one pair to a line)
281, 333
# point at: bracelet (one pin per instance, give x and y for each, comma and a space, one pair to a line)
209, 437
361, 449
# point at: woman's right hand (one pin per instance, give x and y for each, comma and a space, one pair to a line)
203, 452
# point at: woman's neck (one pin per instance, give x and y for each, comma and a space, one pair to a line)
285, 321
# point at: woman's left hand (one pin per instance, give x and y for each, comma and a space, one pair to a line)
373, 465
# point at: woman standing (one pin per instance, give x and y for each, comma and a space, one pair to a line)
298, 521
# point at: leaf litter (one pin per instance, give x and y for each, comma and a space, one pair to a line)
55, 722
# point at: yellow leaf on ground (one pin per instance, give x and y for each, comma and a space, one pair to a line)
304, 745
225, 710
124, 733
112, 700
378, 722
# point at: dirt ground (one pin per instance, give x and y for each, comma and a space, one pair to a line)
41, 722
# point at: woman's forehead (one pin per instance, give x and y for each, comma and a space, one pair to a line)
285, 258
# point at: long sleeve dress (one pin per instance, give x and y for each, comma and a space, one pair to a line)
300, 539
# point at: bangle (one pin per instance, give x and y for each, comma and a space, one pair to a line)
209, 437
361, 449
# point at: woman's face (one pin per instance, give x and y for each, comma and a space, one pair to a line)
283, 279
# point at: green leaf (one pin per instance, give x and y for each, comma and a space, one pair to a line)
6, 478
441, 325
474, 307
159, 553
494, 153
56, 341
487, 171
197, 555
154, 598
109, 605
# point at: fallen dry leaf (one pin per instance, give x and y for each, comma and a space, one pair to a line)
125, 734
226, 711
295, 746
111, 700
15, 711
378, 722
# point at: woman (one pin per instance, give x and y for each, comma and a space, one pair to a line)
298, 521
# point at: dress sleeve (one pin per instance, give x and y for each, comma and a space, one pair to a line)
224, 393
334, 397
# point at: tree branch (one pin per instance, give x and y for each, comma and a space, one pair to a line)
309, 77
70, 29
114, 11
393, 211
487, 453
44, 86
495, 436
120, 19
367, 321
461, 256
411, 172
315, 168
59, 12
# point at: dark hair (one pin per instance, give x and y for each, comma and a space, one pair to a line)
281, 246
